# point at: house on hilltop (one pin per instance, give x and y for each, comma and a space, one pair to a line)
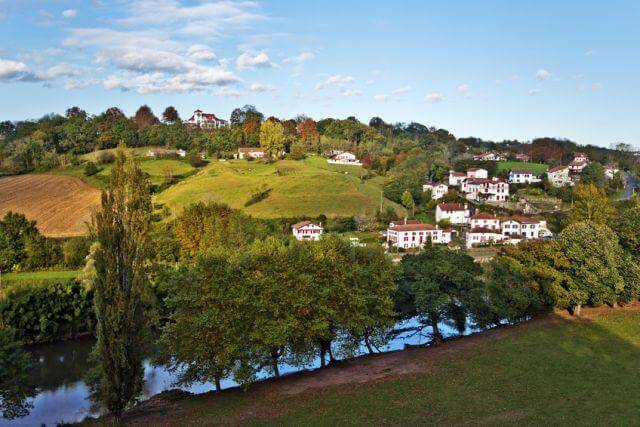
490, 156
205, 120
253, 152
345, 158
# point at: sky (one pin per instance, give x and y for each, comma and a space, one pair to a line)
493, 69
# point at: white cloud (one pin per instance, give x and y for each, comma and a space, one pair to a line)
393, 95
349, 92
78, 84
63, 69
463, 88
247, 61
543, 74
261, 87
69, 13
401, 90
200, 52
370, 82
336, 79
226, 91
534, 91
15, 71
434, 97
303, 57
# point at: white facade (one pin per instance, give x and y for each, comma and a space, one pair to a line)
558, 176
490, 156
246, 152
577, 166
524, 228
522, 176
345, 158
478, 173
485, 220
205, 120
486, 229
456, 213
307, 230
494, 190
407, 236
482, 236
438, 190
581, 158
456, 178
610, 173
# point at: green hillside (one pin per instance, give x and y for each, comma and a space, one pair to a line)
537, 167
310, 187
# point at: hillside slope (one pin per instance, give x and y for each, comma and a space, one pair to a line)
311, 187
62, 205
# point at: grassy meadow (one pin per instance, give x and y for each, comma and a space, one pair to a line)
40, 276
550, 371
310, 187
537, 167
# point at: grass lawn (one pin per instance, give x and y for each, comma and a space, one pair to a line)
154, 167
551, 371
40, 275
310, 187
537, 167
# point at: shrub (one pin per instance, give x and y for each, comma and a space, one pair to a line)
258, 195
105, 157
46, 311
196, 160
90, 169
75, 251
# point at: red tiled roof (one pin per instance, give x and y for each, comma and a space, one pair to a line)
452, 207
484, 215
484, 230
523, 220
414, 227
304, 224
460, 174
403, 222
556, 168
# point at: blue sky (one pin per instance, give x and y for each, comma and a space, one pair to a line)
491, 69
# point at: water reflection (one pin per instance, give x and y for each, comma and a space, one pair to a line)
59, 371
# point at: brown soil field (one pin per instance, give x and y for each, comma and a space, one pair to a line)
61, 205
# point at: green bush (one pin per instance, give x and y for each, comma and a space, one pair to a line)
47, 311
90, 169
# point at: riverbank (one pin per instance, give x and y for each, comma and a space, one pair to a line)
554, 369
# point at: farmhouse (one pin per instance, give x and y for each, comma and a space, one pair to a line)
307, 230
478, 173
480, 236
524, 228
494, 190
558, 176
522, 176
455, 213
456, 178
438, 189
403, 222
490, 156
205, 120
416, 235
165, 152
345, 158
246, 152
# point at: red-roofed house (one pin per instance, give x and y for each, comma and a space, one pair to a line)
577, 166
581, 158
490, 156
456, 213
456, 178
558, 176
485, 220
477, 173
494, 189
205, 120
406, 236
307, 230
438, 189
521, 157
479, 236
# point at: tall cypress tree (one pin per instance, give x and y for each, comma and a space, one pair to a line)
121, 284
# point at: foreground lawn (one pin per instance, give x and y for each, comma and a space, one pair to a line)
40, 275
550, 371
537, 167
310, 187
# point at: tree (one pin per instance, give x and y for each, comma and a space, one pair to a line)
272, 138
76, 112
407, 202
170, 115
121, 285
144, 117
596, 261
436, 285
15, 229
627, 227
308, 131
593, 173
90, 169
590, 204
15, 385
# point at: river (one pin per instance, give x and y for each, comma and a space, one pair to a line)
63, 396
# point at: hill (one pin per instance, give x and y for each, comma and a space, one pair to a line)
60, 204
550, 371
295, 188
537, 167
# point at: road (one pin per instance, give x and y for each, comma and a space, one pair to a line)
630, 185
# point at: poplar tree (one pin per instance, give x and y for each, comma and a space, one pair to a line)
121, 230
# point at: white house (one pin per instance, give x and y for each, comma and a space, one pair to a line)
416, 235
403, 222
522, 176
438, 189
164, 152
479, 236
494, 189
485, 220
246, 152
577, 167
478, 173
524, 228
490, 156
456, 213
581, 158
307, 230
205, 120
345, 158
558, 176
456, 178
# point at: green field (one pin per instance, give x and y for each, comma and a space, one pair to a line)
39, 276
537, 167
551, 371
297, 188
156, 168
